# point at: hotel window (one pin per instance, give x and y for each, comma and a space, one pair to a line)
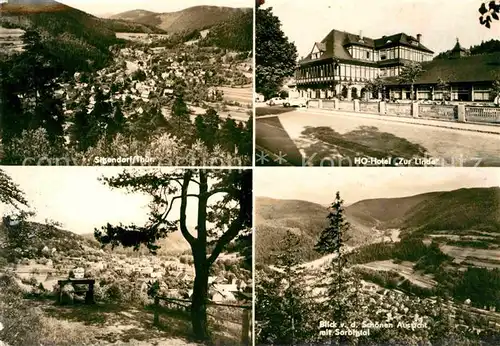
482, 94
368, 55
347, 71
396, 94
424, 94
383, 72
461, 94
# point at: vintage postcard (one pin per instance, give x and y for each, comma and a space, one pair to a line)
362, 257
135, 83
377, 83
125, 256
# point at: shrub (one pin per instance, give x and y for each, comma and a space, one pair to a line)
114, 293
21, 321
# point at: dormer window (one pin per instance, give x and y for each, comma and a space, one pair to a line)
389, 41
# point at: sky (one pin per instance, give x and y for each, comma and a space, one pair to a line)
440, 22
76, 198
107, 7
319, 184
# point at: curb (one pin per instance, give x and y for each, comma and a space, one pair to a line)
394, 119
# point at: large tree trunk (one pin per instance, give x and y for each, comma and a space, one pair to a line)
198, 304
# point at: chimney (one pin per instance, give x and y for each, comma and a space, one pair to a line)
361, 34
419, 38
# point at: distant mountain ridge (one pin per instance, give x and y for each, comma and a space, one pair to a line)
173, 244
228, 27
462, 209
80, 40
22, 13
189, 19
33, 239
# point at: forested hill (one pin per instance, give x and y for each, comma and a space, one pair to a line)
236, 33
189, 19
229, 28
486, 47
80, 40
458, 210
463, 209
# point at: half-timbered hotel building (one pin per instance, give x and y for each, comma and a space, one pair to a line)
343, 63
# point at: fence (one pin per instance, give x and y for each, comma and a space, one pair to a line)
483, 114
368, 107
437, 111
460, 112
185, 305
399, 109
328, 104
346, 106
313, 104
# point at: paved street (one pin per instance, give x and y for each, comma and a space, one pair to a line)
307, 137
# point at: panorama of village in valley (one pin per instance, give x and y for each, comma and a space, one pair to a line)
99, 82
353, 257
84, 263
381, 83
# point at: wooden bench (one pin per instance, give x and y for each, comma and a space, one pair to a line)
89, 295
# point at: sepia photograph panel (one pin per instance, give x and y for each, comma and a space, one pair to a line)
125, 256
137, 83
356, 257
377, 83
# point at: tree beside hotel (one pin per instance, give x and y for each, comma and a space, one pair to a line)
275, 55
376, 86
444, 87
409, 75
496, 87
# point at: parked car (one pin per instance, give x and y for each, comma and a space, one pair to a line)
295, 102
275, 101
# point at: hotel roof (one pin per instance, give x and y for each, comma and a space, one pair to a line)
335, 44
475, 68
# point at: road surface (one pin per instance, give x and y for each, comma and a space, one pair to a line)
305, 137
